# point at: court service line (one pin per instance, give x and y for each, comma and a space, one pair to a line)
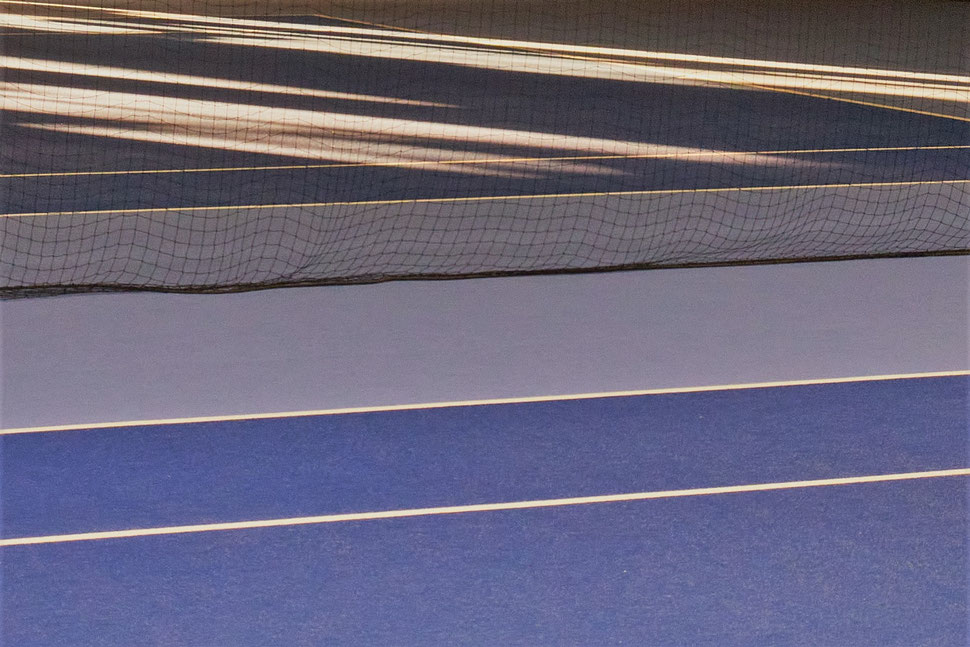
489, 198
610, 54
372, 24
868, 104
480, 507
775, 88
483, 402
496, 160
815, 72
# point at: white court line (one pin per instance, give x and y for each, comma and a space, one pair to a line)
473, 403
480, 507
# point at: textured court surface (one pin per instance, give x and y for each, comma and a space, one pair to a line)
881, 563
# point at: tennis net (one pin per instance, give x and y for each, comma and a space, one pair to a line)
211, 147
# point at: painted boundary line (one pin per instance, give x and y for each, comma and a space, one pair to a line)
775, 88
496, 160
481, 507
857, 102
492, 198
473, 403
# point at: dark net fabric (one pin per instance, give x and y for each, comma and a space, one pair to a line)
216, 146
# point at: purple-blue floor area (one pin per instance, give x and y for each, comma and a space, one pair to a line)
864, 564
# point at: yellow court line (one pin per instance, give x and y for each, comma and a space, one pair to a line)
609, 55
480, 507
55, 5
487, 198
772, 88
901, 77
485, 402
372, 24
74, 33
101, 9
496, 160
869, 104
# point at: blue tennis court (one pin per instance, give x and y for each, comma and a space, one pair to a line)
831, 513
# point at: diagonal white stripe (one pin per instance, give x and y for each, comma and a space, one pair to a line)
472, 403
481, 507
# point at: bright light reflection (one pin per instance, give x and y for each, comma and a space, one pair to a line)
126, 74
304, 146
263, 27
361, 139
70, 26
501, 54
321, 135
611, 70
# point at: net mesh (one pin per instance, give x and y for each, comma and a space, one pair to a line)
215, 146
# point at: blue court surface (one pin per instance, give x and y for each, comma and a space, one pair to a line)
831, 513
